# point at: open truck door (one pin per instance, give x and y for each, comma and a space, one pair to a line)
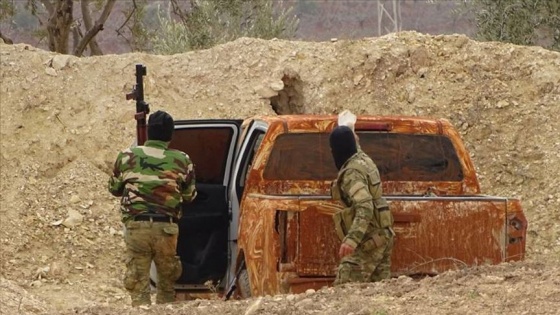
204, 236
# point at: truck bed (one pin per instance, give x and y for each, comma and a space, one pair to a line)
433, 234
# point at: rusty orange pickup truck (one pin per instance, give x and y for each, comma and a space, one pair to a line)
262, 220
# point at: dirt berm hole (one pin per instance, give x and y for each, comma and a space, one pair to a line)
290, 99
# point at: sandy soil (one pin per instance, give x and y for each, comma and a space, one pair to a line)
64, 119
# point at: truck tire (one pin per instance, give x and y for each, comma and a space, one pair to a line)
243, 284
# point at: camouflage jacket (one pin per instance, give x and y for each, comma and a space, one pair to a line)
359, 186
152, 178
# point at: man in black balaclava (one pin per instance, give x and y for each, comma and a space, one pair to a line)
343, 145
365, 224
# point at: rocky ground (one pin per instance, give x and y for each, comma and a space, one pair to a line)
63, 120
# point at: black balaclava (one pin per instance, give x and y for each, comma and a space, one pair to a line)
160, 126
343, 145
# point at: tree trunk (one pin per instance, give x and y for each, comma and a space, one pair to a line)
93, 30
58, 26
5, 39
93, 45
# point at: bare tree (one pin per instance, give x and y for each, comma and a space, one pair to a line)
57, 18
134, 29
59, 24
93, 29
86, 16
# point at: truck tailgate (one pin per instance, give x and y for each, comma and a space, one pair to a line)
434, 234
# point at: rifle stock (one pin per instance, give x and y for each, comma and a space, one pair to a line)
142, 108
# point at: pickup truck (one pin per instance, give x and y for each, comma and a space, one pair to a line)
262, 220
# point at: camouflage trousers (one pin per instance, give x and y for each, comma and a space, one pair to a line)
146, 242
368, 263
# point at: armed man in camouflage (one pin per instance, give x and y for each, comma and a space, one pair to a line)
365, 224
152, 182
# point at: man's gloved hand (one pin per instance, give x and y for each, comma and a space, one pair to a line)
345, 250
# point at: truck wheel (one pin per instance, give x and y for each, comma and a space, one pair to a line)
243, 284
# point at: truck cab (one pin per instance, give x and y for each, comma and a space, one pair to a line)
262, 220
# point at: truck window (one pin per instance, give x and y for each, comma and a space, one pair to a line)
207, 148
399, 157
412, 157
247, 160
301, 156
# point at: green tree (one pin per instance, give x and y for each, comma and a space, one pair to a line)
199, 24
7, 10
522, 22
138, 20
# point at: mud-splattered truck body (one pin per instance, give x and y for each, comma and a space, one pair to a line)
263, 216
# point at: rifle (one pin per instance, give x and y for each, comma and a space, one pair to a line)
142, 108
233, 285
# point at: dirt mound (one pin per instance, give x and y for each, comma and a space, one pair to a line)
15, 300
63, 120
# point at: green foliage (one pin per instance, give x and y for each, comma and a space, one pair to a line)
172, 38
33, 6
553, 23
7, 9
522, 22
267, 26
207, 23
98, 4
136, 28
